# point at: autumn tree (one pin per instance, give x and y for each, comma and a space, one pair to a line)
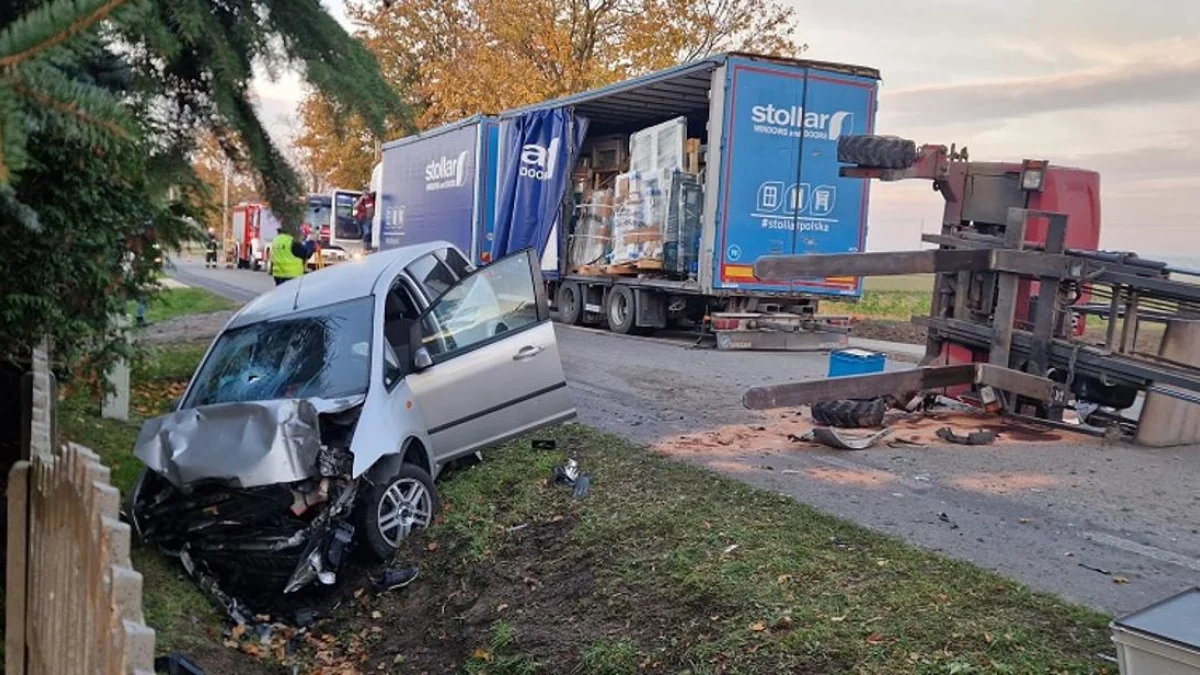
456, 59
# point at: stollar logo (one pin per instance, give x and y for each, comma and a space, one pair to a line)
796, 121
445, 172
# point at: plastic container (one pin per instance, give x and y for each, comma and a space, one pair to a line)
1162, 639
855, 362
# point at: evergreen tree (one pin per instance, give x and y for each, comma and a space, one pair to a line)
101, 106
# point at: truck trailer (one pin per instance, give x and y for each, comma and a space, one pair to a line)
650, 199
439, 185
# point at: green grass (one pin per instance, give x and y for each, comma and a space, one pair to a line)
800, 591
903, 282
175, 302
890, 305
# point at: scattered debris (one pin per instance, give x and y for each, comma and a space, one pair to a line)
396, 577
830, 437
946, 519
1120, 580
904, 442
518, 527
730, 549
983, 437
176, 664
543, 444
568, 475
1096, 569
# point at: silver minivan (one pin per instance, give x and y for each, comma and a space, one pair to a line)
320, 416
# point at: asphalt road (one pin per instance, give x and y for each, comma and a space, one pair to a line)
1113, 526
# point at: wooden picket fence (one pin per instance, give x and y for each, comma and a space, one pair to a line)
74, 603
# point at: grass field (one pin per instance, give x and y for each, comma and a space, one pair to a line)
174, 302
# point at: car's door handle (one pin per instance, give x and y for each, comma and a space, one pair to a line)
528, 352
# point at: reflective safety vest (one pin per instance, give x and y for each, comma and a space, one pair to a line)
283, 264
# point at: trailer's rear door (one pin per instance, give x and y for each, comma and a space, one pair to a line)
779, 189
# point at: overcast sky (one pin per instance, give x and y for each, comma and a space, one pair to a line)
1109, 85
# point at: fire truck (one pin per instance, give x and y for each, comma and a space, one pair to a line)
254, 226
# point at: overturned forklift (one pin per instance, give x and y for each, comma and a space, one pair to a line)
1017, 274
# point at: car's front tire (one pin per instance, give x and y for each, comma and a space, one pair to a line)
389, 510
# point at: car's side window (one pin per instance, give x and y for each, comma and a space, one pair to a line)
400, 312
456, 262
432, 274
494, 300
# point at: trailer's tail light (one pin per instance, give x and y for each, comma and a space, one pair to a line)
726, 324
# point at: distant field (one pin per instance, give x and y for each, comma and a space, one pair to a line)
905, 282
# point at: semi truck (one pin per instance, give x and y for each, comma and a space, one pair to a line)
681, 179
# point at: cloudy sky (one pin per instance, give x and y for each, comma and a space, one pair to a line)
1109, 85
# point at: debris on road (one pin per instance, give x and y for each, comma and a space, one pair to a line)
568, 475
946, 519
983, 437
1096, 569
851, 414
829, 436
396, 577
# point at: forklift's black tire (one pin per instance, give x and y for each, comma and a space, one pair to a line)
883, 152
368, 508
850, 414
570, 303
620, 310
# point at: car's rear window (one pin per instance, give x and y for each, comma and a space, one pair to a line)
320, 353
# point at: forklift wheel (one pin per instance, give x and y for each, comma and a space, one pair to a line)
882, 152
850, 414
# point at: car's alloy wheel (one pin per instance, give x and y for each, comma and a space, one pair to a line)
405, 504
389, 510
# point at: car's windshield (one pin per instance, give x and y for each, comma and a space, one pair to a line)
321, 353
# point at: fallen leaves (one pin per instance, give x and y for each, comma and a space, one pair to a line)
481, 654
758, 626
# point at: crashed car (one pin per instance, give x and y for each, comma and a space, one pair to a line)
321, 415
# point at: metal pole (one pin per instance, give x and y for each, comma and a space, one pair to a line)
226, 230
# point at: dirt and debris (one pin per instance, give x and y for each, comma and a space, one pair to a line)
983, 437
828, 436
567, 474
908, 430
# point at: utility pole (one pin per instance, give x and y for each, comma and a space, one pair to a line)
226, 227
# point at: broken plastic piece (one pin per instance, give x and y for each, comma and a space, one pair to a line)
176, 664
396, 577
830, 437
543, 444
974, 438
568, 475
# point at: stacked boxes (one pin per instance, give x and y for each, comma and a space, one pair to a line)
645, 219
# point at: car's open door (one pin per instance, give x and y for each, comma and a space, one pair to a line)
487, 365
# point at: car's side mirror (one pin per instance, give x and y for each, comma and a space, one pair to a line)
421, 359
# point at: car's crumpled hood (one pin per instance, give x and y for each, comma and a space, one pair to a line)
246, 444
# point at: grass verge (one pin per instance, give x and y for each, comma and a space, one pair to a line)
175, 302
670, 568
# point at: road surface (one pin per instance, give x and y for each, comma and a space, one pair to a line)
1113, 526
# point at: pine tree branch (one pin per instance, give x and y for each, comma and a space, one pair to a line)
69, 106
47, 14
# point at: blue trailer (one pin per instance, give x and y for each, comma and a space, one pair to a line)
770, 128
439, 185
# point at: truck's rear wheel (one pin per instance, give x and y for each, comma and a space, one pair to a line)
570, 303
620, 310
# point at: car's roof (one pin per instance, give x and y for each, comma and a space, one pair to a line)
337, 283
